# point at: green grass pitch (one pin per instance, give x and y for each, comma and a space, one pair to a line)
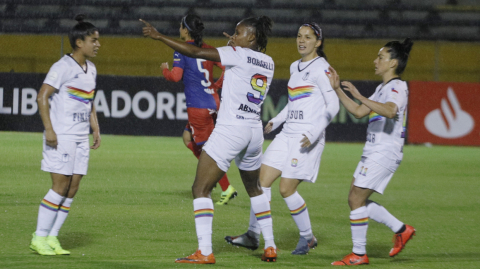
134, 208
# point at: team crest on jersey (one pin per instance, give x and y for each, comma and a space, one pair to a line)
305, 77
294, 162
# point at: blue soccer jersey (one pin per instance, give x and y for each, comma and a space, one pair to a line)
200, 91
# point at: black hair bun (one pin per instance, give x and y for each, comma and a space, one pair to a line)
407, 45
80, 17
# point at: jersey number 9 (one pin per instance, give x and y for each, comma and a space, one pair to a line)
259, 84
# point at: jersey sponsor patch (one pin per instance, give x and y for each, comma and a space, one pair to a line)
52, 76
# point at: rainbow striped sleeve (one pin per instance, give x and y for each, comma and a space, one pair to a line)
48, 205
298, 210
263, 215
299, 92
373, 117
80, 95
359, 222
206, 212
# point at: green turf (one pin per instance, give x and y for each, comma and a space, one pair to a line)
134, 208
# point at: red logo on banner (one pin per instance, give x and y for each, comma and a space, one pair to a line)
444, 113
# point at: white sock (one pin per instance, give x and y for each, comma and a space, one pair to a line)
299, 212
379, 214
253, 224
47, 212
61, 216
203, 209
261, 208
268, 192
359, 226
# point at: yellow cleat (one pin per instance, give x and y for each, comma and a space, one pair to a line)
227, 195
39, 244
52, 241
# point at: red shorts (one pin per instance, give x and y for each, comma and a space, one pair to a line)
201, 122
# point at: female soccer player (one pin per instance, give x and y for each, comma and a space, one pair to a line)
200, 92
383, 151
238, 133
295, 152
70, 87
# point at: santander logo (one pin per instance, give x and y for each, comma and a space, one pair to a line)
449, 121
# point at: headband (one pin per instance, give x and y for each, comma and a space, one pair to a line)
318, 33
185, 23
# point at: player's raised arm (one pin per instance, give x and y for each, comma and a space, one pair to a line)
184, 48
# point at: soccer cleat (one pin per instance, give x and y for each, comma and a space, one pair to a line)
197, 258
304, 246
245, 240
352, 259
39, 244
401, 239
227, 195
55, 245
269, 255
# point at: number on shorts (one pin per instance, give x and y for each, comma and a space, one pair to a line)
259, 84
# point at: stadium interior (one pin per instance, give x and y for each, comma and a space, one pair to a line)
457, 20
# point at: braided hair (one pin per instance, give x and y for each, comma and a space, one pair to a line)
80, 30
263, 28
195, 27
400, 51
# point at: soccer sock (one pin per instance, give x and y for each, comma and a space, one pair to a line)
261, 208
203, 209
299, 212
253, 224
379, 214
359, 226
197, 150
61, 216
224, 182
47, 212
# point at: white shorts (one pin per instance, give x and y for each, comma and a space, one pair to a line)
69, 158
286, 154
242, 143
371, 175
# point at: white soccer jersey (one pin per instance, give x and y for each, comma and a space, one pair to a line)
307, 88
247, 79
386, 136
71, 104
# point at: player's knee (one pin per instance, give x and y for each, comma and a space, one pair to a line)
200, 191
285, 191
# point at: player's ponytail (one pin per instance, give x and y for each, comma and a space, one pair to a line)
195, 27
263, 28
319, 34
80, 30
400, 52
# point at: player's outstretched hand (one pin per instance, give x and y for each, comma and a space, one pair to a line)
149, 30
230, 41
164, 66
268, 127
96, 140
305, 142
348, 86
334, 78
